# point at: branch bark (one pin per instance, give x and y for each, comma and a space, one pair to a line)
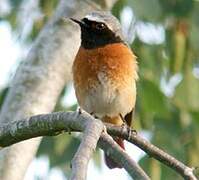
51, 124
91, 133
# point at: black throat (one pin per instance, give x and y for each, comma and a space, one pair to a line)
91, 39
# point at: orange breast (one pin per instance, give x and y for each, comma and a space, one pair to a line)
116, 60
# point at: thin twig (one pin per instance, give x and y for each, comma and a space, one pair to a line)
153, 151
121, 157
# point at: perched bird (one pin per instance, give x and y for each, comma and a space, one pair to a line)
105, 72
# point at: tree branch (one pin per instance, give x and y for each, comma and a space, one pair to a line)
55, 123
52, 124
121, 157
92, 130
153, 151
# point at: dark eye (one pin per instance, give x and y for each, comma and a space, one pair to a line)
100, 26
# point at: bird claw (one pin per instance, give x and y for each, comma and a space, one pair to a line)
104, 129
130, 131
80, 110
134, 132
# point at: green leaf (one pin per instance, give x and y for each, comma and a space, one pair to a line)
157, 170
150, 59
145, 10
186, 93
179, 8
117, 8
194, 38
195, 117
48, 6
152, 100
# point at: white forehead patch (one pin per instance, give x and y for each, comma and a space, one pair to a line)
97, 19
94, 18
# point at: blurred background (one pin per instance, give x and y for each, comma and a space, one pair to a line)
164, 35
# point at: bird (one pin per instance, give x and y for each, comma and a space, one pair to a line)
105, 72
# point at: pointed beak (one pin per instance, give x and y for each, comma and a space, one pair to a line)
80, 22
76, 21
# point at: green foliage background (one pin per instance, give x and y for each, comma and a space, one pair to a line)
173, 120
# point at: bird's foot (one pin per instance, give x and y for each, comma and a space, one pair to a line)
93, 114
104, 130
80, 110
130, 131
134, 132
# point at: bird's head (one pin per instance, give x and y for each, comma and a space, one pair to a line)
99, 28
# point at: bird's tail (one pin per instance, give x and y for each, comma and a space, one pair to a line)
109, 161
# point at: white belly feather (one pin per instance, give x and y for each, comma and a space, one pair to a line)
105, 98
